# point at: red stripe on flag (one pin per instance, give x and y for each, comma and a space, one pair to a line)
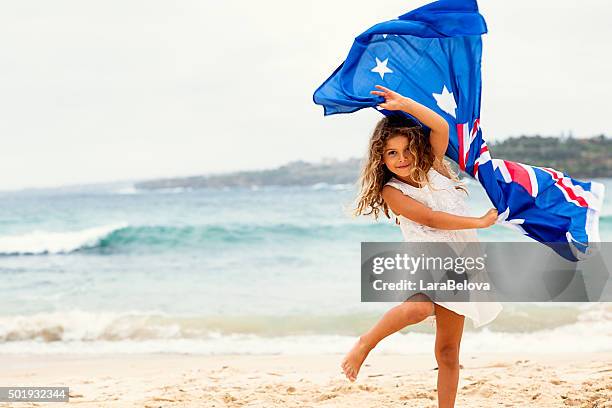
461, 147
475, 128
558, 181
519, 175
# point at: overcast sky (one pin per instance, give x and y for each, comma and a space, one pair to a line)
122, 89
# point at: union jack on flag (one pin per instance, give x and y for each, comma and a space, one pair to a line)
433, 56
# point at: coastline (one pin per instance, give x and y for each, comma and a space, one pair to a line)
173, 380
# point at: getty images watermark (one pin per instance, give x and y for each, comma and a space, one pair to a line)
482, 272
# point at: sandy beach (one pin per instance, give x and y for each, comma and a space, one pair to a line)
174, 380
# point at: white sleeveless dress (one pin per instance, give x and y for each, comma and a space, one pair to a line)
448, 199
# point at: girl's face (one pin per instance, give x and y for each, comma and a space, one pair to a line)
396, 156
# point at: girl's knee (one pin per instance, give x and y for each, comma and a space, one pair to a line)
427, 308
447, 355
424, 303
421, 309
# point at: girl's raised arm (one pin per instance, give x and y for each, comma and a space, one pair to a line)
438, 137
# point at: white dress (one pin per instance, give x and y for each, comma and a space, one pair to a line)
448, 199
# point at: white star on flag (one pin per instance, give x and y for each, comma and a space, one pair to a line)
446, 101
381, 68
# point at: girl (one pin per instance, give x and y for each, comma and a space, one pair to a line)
407, 173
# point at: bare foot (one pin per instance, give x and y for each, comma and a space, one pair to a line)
354, 359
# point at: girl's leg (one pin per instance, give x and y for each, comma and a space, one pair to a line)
449, 328
412, 311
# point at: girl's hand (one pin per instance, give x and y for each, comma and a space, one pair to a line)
488, 219
393, 100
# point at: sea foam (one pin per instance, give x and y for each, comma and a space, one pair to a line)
140, 332
46, 242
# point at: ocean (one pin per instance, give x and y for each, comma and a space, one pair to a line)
262, 270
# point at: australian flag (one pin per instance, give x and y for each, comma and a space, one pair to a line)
433, 56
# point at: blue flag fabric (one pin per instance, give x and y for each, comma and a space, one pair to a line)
433, 56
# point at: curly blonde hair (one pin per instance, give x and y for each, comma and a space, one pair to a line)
374, 172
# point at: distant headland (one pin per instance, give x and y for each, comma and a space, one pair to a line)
580, 158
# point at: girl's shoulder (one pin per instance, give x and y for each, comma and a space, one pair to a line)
400, 185
421, 194
403, 186
439, 185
